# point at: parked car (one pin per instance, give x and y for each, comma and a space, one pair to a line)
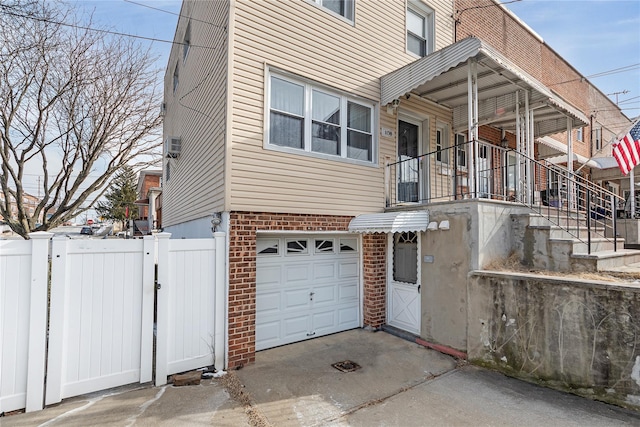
86, 230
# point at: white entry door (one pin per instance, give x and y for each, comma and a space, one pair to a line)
404, 305
306, 286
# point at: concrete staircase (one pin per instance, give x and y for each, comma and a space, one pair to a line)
558, 242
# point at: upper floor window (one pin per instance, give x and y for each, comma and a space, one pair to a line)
579, 134
317, 120
175, 79
597, 136
419, 28
344, 8
186, 42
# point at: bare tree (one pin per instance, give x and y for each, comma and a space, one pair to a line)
76, 105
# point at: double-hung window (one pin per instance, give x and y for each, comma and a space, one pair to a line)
319, 121
461, 149
344, 8
419, 28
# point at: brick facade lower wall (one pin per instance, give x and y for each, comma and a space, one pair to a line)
243, 228
374, 267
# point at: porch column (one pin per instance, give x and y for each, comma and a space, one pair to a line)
374, 260
519, 192
570, 189
472, 120
527, 143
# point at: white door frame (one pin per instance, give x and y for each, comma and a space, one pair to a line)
423, 125
408, 288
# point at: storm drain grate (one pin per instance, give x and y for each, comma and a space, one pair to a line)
346, 366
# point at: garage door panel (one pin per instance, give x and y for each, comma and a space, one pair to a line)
347, 318
296, 273
347, 292
286, 311
325, 270
324, 294
348, 269
268, 302
270, 275
296, 299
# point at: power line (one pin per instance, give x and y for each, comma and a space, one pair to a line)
179, 15
100, 30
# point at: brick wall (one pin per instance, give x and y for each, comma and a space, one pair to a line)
374, 263
485, 20
243, 227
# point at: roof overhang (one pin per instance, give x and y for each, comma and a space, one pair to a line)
390, 222
442, 77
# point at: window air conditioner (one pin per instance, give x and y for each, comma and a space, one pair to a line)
172, 147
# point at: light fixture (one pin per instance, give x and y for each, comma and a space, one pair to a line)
433, 226
216, 220
444, 225
393, 106
504, 142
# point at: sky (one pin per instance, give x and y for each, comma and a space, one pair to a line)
595, 36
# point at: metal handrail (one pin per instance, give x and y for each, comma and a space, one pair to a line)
564, 198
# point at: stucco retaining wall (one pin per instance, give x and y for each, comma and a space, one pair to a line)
578, 336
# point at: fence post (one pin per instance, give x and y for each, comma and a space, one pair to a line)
37, 320
162, 325
148, 289
56, 320
615, 223
588, 221
220, 301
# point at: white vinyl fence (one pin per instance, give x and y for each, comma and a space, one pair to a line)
101, 314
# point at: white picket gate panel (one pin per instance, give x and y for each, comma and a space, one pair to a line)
190, 329
23, 321
101, 322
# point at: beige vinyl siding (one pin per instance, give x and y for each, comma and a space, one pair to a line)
421, 110
300, 38
196, 187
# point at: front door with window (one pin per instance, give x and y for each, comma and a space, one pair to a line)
408, 170
404, 282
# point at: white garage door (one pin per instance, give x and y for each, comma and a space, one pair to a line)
306, 287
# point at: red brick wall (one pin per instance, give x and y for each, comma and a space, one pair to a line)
243, 227
374, 263
485, 20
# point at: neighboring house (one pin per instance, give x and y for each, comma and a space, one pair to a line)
30, 202
149, 189
337, 143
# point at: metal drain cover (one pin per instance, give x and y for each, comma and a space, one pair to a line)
346, 366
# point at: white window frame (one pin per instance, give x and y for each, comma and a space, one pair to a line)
598, 138
461, 150
428, 14
186, 42
443, 130
345, 99
352, 3
176, 78
580, 134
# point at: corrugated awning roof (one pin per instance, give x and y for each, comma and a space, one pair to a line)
442, 78
390, 222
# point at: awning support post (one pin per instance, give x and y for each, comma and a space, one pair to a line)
570, 188
472, 120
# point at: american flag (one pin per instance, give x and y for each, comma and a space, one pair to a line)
626, 150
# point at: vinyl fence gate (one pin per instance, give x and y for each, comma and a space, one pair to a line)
101, 325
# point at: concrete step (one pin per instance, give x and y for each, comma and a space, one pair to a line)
604, 260
599, 244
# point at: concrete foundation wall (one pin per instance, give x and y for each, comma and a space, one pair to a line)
479, 232
579, 336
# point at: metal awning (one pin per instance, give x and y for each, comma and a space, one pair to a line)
442, 78
390, 222
576, 158
551, 147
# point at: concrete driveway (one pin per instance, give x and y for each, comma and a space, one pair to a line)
399, 383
